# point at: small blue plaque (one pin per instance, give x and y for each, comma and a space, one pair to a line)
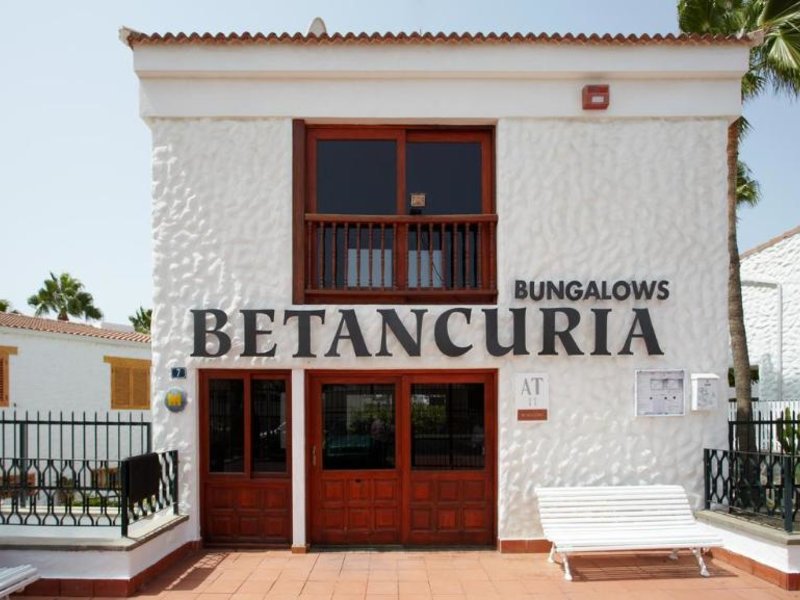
178, 372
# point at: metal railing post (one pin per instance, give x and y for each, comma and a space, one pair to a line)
707, 478
788, 492
175, 482
123, 501
23, 463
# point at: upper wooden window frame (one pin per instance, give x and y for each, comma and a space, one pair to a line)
304, 197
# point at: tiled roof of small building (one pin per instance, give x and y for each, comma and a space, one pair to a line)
769, 243
136, 38
15, 321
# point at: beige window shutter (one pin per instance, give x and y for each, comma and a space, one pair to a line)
5, 368
130, 383
3, 380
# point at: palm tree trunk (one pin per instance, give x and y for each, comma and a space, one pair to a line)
745, 440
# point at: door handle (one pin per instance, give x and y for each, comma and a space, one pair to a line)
313, 456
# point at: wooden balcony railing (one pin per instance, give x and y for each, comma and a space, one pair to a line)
364, 259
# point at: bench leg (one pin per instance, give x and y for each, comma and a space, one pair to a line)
551, 557
567, 572
674, 554
699, 556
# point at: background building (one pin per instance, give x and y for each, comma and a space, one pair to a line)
50, 365
771, 296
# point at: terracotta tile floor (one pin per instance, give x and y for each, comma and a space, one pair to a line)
448, 575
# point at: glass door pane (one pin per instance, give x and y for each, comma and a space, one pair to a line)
358, 426
226, 426
269, 426
447, 426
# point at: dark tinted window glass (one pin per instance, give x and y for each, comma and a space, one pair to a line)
448, 173
357, 177
269, 425
358, 423
226, 425
447, 427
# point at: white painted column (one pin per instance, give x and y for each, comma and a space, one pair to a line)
298, 460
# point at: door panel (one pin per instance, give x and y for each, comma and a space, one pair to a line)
245, 457
405, 459
355, 485
451, 475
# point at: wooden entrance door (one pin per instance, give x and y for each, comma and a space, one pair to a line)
245, 457
402, 458
355, 479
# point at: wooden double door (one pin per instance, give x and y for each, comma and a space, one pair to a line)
402, 458
245, 457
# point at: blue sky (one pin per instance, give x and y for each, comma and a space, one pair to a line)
75, 157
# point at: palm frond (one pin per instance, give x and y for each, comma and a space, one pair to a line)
748, 190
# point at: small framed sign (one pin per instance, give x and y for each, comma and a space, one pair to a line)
660, 393
178, 372
532, 396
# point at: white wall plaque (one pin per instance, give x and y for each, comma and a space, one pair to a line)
660, 393
532, 396
705, 391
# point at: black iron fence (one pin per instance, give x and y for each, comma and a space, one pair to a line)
764, 486
74, 436
80, 492
82, 470
769, 431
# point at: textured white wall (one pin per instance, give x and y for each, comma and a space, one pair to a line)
600, 199
779, 263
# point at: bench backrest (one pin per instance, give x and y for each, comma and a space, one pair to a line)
619, 506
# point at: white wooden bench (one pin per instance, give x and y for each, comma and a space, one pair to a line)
14, 579
621, 518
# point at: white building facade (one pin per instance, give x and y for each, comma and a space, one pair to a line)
360, 349
771, 298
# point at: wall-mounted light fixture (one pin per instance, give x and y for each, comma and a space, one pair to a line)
595, 97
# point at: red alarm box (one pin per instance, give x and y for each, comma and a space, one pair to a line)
595, 97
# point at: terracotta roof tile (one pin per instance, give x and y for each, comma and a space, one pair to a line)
15, 321
136, 38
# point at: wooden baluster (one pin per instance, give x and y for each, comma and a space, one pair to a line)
456, 255
358, 254
441, 254
335, 241
382, 280
397, 245
492, 282
309, 250
346, 255
419, 255
478, 256
466, 256
369, 256
430, 254
321, 261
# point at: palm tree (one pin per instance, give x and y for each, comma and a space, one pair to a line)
5, 305
141, 320
65, 296
774, 64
